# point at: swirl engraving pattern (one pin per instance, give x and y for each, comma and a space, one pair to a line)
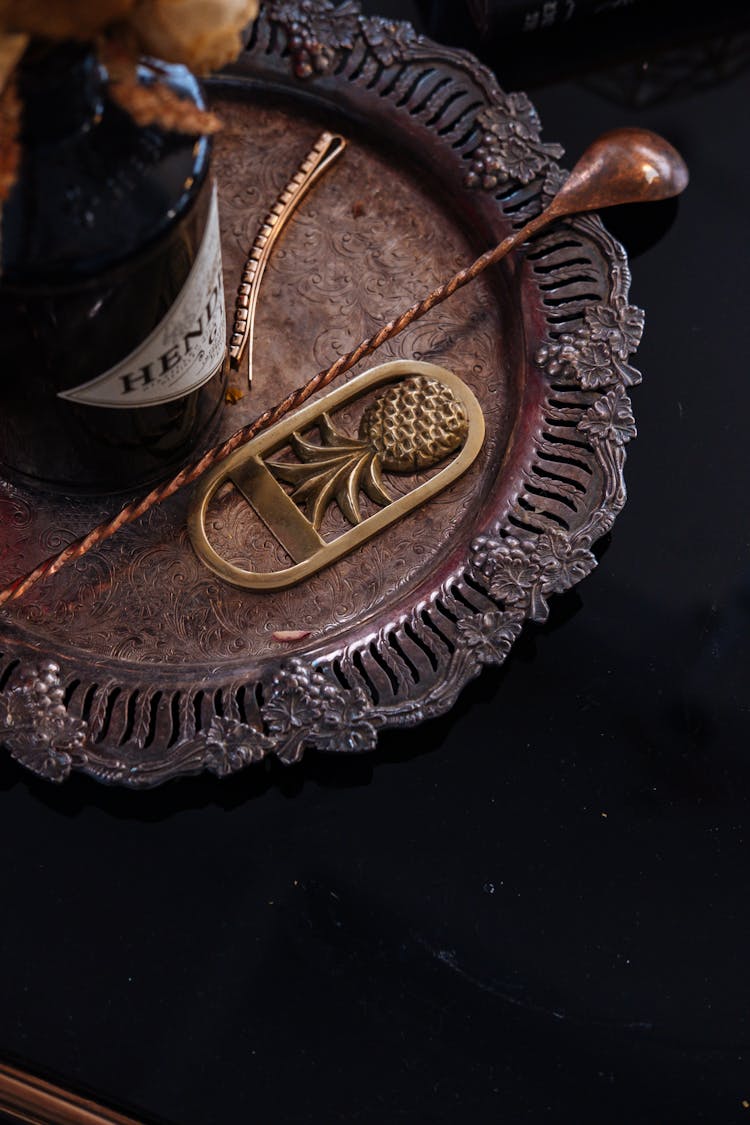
159, 668
335, 276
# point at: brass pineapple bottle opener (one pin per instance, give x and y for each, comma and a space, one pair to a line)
424, 415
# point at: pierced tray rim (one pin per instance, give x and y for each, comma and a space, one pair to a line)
414, 667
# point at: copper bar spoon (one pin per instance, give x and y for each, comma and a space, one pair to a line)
627, 165
26, 1097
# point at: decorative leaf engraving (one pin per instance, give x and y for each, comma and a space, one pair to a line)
144, 600
511, 147
522, 572
36, 726
318, 31
489, 636
508, 567
230, 745
610, 419
554, 178
595, 354
307, 707
563, 561
390, 41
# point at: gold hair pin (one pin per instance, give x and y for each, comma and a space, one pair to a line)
327, 149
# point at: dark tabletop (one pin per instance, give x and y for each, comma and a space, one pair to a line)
536, 909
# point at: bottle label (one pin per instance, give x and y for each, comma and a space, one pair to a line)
184, 350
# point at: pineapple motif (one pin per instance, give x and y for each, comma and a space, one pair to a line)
412, 425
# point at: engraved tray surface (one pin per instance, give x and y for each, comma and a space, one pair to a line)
137, 664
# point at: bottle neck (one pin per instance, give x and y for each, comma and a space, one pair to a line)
61, 87
94, 187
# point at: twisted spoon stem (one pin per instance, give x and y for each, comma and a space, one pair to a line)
624, 165
295, 399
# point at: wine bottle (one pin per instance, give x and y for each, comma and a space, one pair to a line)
112, 320
531, 43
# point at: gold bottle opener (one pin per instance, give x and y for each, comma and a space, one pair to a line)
424, 415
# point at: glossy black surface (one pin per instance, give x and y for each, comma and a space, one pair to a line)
534, 910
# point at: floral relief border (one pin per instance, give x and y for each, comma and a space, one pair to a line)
304, 704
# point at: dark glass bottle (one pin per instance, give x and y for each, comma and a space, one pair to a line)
112, 323
531, 43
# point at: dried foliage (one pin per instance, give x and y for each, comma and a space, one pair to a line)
152, 103
156, 104
11, 49
62, 19
202, 34
10, 148
233, 395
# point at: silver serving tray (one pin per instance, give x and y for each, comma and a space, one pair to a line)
137, 665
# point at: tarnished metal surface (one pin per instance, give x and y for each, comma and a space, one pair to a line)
138, 664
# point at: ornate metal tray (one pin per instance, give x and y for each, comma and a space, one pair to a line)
137, 664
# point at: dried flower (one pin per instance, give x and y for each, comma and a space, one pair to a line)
62, 19
12, 46
151, 103
203, 34
10, 149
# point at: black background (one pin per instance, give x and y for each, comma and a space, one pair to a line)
536, 909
